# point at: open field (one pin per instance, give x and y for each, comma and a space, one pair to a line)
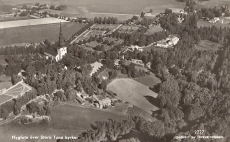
107, 6
202, 23
38, 33
30, 22
3, 61
5, 82
7, 131
12, 18
134, 92
208, 45
4, 98
68, 117
212, 3
149, 80
16, 90
153, 30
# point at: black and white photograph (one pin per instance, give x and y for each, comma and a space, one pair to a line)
114, 70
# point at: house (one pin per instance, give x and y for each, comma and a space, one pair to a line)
102, 103
150, 15
178, 11
214, 20
138, 62
134, 47
57, 53
170, 41
148, 65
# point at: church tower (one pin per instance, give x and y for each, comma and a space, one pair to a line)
62, 49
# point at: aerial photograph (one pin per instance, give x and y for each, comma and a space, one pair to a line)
114, 70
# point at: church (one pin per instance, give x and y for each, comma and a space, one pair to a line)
57, 53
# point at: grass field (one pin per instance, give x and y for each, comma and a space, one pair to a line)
4, 98
5, 82
9, 130
153, 30
68, 117
30, 22
3, 61
133, 92
149, 80
38, 33
3, 19
108, 6
208, 45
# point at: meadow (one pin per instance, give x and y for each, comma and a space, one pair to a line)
69, 117
134, 92
37, 33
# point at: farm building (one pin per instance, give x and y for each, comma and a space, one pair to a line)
168, 42
138, 62
178, 10
134, 47
102, 103
150, 15
59, 53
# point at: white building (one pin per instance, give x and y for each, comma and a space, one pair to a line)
138, 62
170, 41
135, 47
58, 53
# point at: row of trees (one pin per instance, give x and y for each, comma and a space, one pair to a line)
109, 20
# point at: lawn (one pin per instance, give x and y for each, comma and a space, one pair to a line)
38, 33
68, 117
149, 80
208, 45
134, 92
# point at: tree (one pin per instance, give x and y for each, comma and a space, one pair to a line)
4, 113
103, 85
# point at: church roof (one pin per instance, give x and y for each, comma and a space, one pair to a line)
51, 51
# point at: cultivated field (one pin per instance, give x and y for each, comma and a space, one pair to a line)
108, 6
68, 117
133, 92
212, 3
149, 80
38, 33
208, 45
30, 22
